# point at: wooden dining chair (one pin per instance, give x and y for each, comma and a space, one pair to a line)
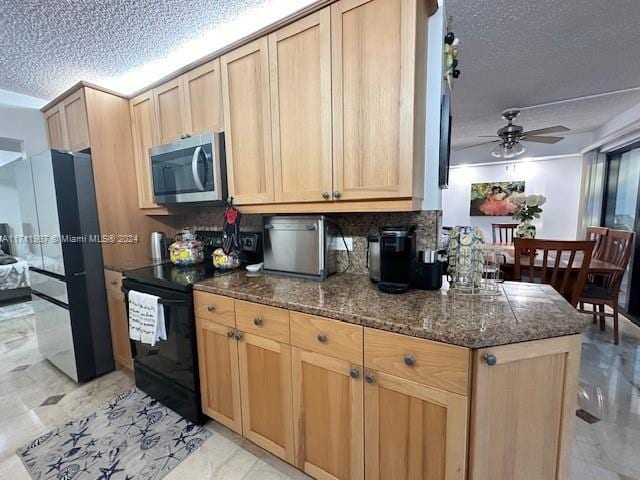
598, 235
604, 289
503, 232
563, 264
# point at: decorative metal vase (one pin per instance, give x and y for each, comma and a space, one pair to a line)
465, 257
526, 230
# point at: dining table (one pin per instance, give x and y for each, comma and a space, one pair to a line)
596, 266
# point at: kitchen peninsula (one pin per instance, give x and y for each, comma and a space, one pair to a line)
344, 381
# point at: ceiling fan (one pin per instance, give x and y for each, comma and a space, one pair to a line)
510, 136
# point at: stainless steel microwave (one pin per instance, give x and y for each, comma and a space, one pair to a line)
192, 170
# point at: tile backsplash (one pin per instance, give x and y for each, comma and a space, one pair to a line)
355, 225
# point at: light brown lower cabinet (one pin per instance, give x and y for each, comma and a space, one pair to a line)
219, 376
413, 431
118, 320
343, 402
265, 385
328, 414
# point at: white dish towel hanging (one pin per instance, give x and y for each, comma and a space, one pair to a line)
146, 318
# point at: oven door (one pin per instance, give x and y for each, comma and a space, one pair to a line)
176, 358
189, 171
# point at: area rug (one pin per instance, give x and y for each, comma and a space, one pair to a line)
131, 437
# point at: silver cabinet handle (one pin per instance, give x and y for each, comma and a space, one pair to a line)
355, 373
194, 168
410, 360
258, 321
322, 337
211, 308
230, 333
325, 195
370, 378
336, 194
239, 335
490, 359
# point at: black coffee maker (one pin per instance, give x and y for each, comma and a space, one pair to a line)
390, 254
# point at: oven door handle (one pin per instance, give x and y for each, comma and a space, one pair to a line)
194, 168
161, 301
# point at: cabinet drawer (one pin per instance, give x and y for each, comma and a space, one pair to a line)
268, 322
323, 335
113, 281
423, 361
216, 308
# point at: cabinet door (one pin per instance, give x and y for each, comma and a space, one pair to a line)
300, 70
265, 374
523, 413
203, 99
247, 120
169, 100
219, 377
74, 111
413, 431
55, 128
328, 416
118, 320
145, 136
373, 44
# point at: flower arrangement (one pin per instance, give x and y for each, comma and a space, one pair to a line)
528, 207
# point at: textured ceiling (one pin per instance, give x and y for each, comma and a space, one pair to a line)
48, 45
518, 53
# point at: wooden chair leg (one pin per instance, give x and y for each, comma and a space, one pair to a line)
595, 317
602, 317
616, 335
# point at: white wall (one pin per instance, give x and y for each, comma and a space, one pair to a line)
557, 178
435, 71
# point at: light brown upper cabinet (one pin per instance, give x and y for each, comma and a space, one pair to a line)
190, 104
75, 120
203, 99
247, 120
170, 111
378, 69
67, 123
145, 135
55, 127
300, 73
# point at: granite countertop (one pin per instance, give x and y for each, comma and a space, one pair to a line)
132, 264
521, 312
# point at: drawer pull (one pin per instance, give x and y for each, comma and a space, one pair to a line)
370, 378
410, 360
355, 373
211, 308
490, 359
322, 337
325, 195
230, 333
239, 335
258, 321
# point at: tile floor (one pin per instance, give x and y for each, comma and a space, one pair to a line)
35, 396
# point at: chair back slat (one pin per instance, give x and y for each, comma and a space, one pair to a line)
617, 251
598, 235
503, 232
567, 273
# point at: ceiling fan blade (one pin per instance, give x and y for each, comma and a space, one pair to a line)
542, 131
488, 136
476, 145
537, 139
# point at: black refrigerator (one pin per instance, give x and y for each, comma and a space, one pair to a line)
66, 270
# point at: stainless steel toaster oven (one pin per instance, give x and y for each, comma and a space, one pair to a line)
300, 245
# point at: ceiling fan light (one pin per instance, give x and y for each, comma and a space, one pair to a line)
497, 151
518, 149
508, 150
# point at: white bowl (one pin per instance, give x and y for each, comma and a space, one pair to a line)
255, 267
